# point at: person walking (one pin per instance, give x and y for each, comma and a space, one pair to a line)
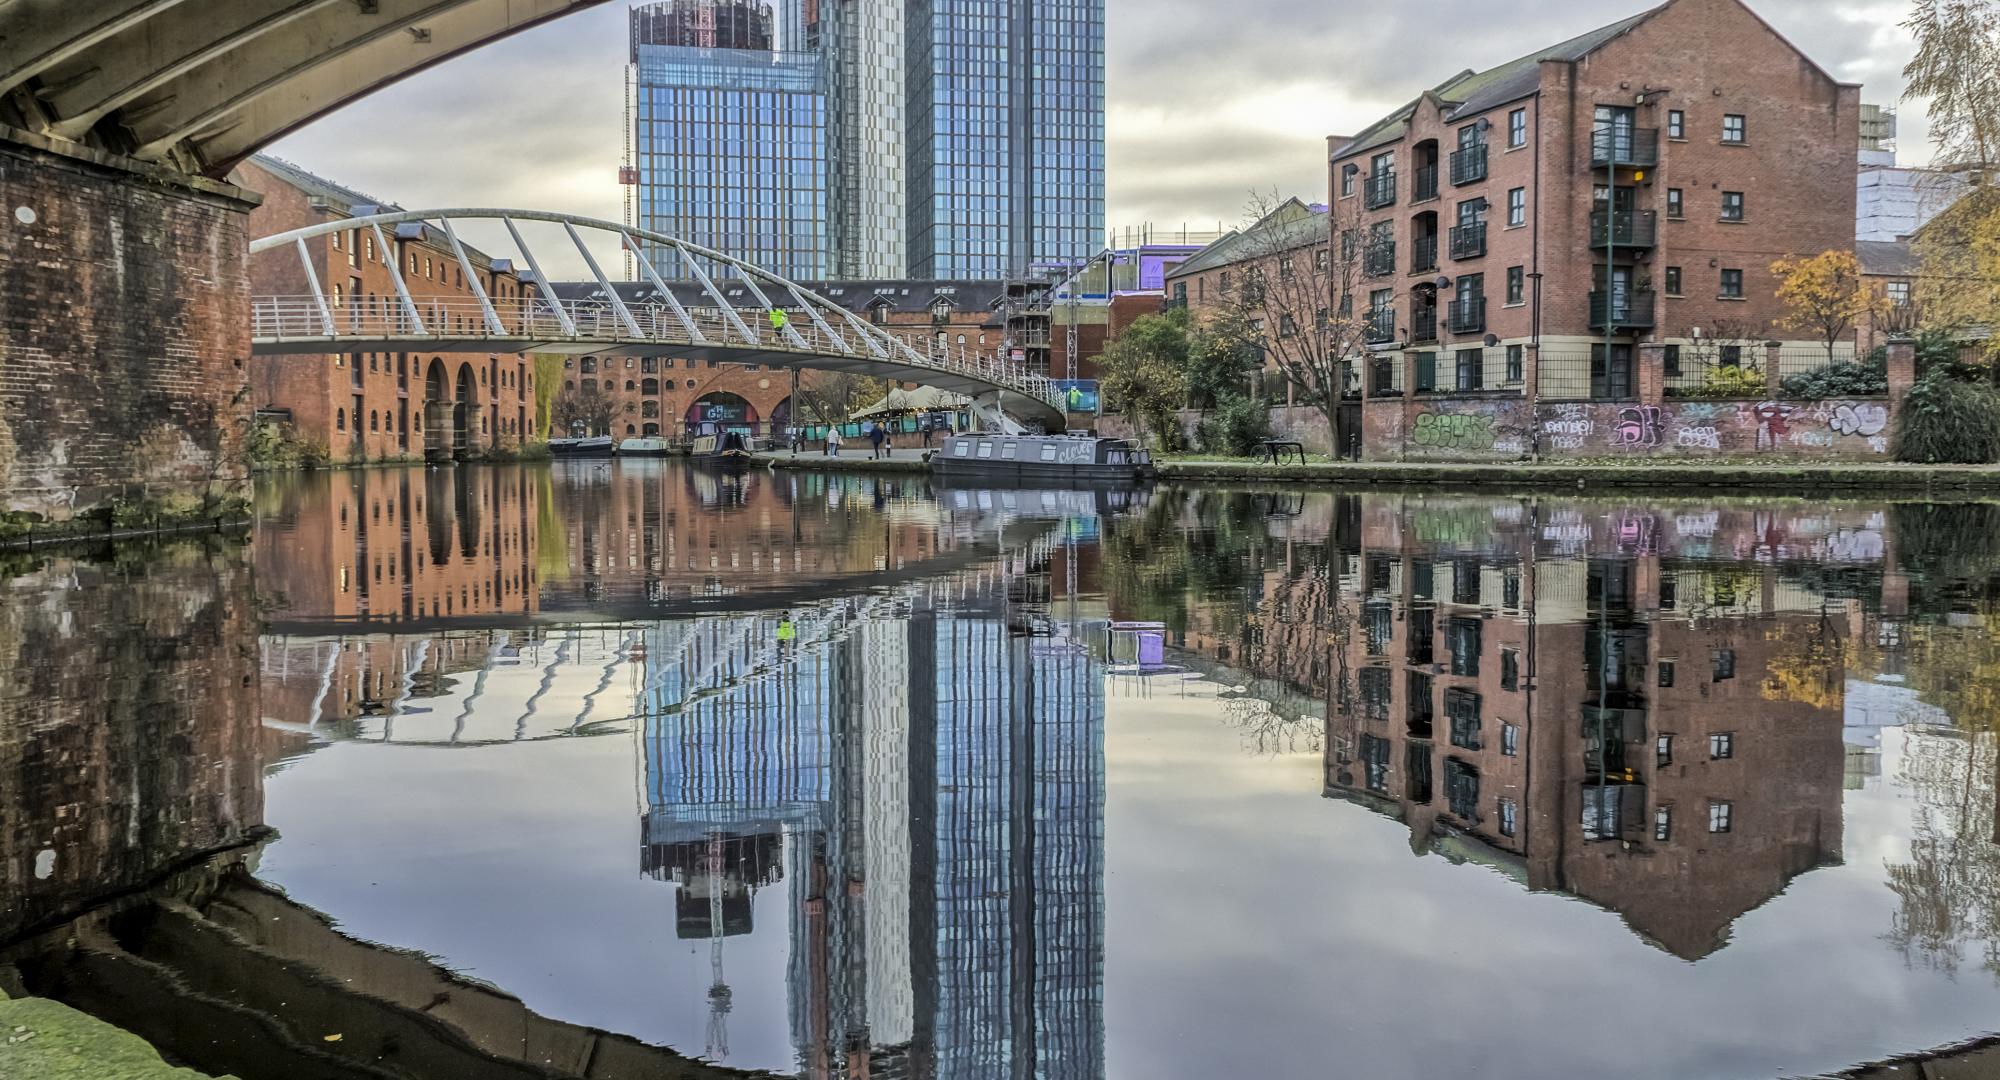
877, 435
777, 316
833, 441
925, 427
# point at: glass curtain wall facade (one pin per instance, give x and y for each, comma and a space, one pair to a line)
731, 137
1005, 135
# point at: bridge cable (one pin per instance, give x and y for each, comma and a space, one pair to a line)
542, 282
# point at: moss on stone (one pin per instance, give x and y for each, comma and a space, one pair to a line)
51, 1041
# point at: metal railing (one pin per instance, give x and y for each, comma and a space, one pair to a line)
1424, 183
1424, 253
1624, 146
1468, 164
1467, 316
1632, 309
1468, 241
1625, 228
1379, 190
1379, 325
1423, 322
1379, 258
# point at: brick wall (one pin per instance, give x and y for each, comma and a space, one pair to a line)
1504, 427
124, 331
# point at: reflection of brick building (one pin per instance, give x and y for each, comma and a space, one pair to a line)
129, 738
380, 405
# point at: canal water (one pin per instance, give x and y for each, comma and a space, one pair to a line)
634, 769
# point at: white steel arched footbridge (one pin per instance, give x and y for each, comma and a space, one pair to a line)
724, 314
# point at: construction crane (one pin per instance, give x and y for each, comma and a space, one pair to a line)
718, 989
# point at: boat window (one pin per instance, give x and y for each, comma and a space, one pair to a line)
960, 448
1048, 451
1007, 451
986, 449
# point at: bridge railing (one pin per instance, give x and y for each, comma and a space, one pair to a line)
519, 324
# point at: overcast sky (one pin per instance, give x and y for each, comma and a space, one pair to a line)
1207, 99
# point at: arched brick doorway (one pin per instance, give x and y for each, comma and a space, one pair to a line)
732, 411
439, 430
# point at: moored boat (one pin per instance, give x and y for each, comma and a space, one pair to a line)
644, 446
1061, 459
715, 445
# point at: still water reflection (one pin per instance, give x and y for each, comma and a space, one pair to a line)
636, 770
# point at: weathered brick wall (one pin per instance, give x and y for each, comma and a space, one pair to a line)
124, 331
1505, 428
129, 728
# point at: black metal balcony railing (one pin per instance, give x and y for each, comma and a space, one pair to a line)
1379, 258
1468, 164
1624, 146
1382, 376
1468, 241
1424, 254
1379, 190
1624, 228
1423, 322
1379, 325
1424, 183
1631, 310
1466, 316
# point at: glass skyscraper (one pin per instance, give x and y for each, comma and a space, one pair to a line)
1005, 130
730, 137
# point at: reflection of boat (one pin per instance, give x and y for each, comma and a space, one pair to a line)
1062, 459
597, 446
715, 445
647, 446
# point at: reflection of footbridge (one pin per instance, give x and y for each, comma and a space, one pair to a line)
774, 321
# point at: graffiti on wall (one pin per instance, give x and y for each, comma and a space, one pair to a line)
1639, 427
1567, 428
1454, 431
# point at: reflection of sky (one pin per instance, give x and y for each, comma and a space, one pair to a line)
1257, 929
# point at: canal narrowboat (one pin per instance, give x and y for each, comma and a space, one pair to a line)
715, 445
1060, 459
596, 446
645, 446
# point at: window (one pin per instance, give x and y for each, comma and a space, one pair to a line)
1718, 816
1286, 327
1732, 206
1724, 661
1516, 363
340, 419
1320, 259
374, 420
1663, 822
1510, 740
1461, 707
1470, 364
1517, 284
1732, 284
1676, 203
1224, 283
1426, 378
1722, 746
1508, 817
1461, 787
1673, 287
1517, 207
1898, 292
1347, 173
1730, 356
1375, 692
1663, 751
1676, 124
1734, 129
1375, 762
1667, 673
1517, 128
1510, 669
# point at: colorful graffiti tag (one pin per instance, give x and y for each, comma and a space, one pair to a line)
1454, 431
1568, 428
1639, 427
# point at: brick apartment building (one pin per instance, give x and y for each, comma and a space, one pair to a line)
662, 395
372, 406
1591, 223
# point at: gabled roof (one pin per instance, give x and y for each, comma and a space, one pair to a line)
1471, 92
344, 198
1885, 258
1291, 226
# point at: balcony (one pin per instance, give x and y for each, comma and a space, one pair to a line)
1423, 322
1424, 184
1379, 325
1624, 146
1379, 258
1424, 254
1468, 165
1468, 241
1466, 316
1627, 310
1623, 228
1379, 190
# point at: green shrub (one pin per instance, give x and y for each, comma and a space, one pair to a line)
276, 446
1236, 427
1728, 382
1845, 379
1945, 420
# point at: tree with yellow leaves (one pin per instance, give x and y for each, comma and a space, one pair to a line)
1957, 54
1822, 294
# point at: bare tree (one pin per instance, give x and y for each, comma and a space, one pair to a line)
830, 397
1299, 299
588, 411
